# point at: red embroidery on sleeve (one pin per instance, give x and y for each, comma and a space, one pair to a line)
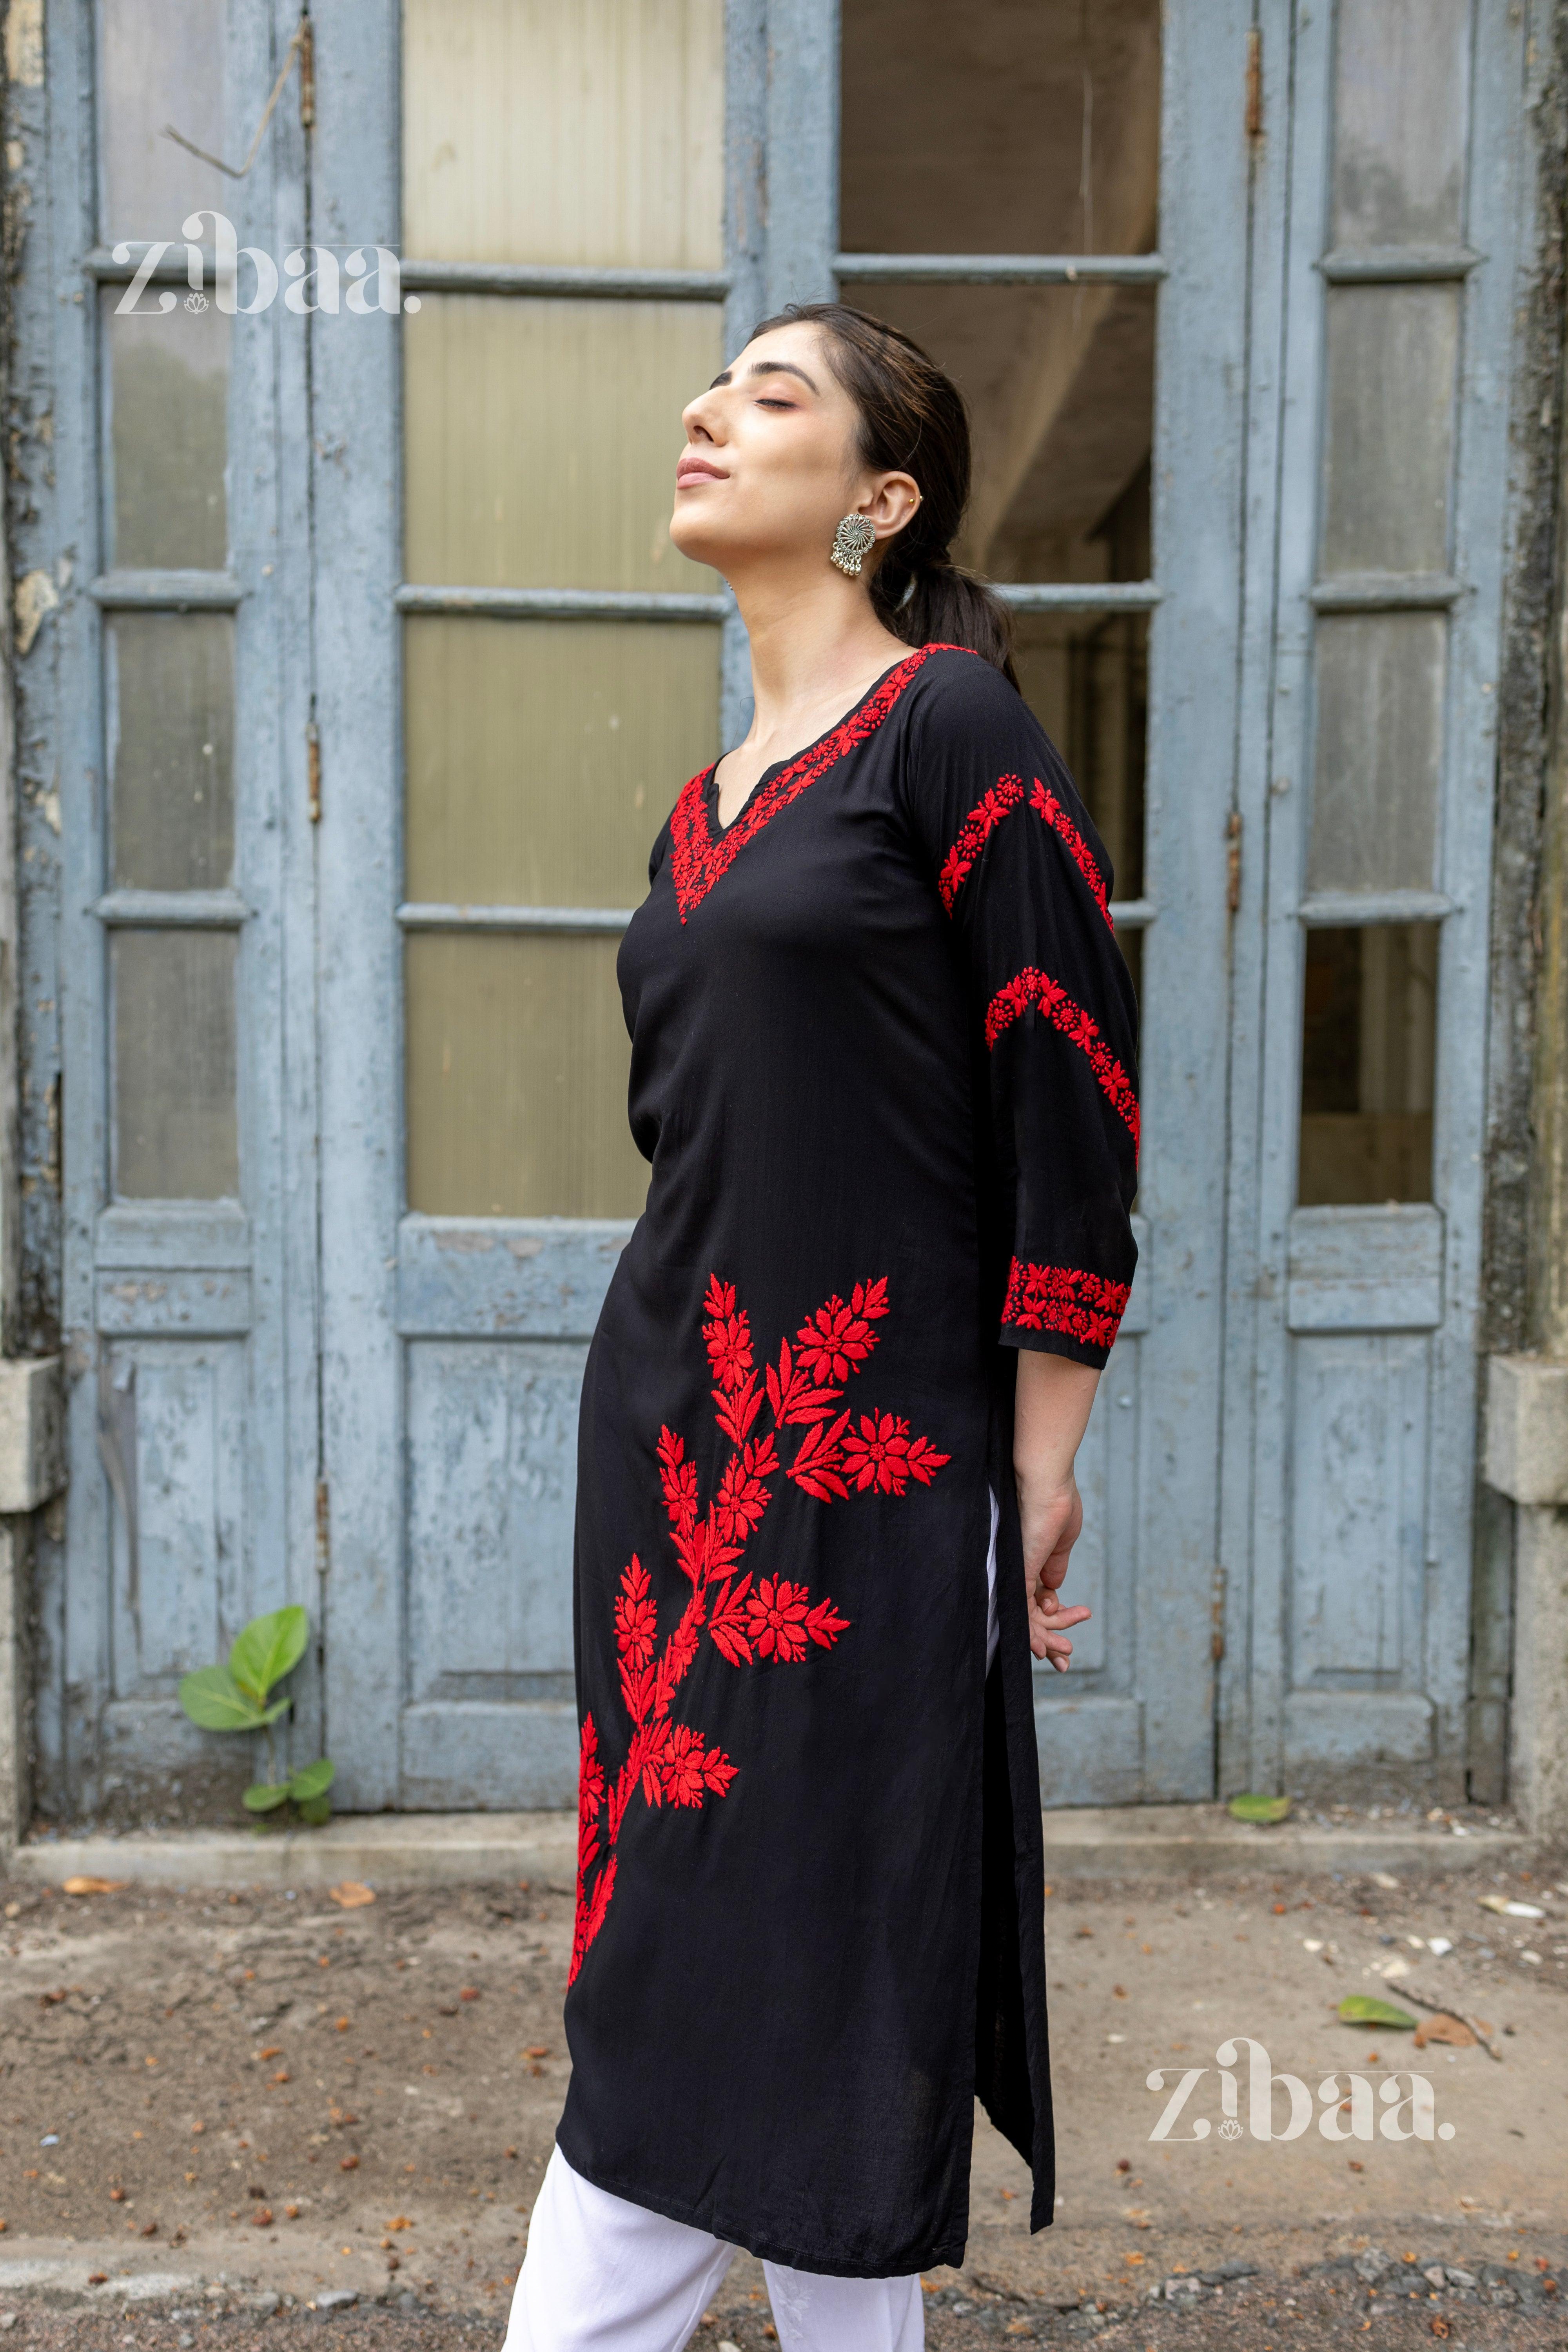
672, 1763
1045, 805
1086, 1307
1037, 989
973, 834
698, 858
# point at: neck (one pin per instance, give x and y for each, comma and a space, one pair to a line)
814, 639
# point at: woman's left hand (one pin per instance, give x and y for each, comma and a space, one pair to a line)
1050, 1521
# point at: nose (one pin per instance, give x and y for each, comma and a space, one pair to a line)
702, 419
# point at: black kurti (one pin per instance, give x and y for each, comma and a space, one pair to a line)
882, 1064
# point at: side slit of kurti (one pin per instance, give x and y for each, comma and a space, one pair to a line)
1011, 2060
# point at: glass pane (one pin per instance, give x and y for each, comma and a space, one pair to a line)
518, 1061
1393, 352
542, 439
1368, 1065
1002, 126
168, 403
1085, 676
175, 1135
591, 133
1060, 386
159, 62
1379, 750
1402, 103
543, 756
171, 749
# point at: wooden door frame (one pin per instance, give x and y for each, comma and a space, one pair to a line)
1287, 302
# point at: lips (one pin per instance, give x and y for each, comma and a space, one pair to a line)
692, 470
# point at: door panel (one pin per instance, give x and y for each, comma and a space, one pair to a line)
561, 677
1359, 1014
187, 925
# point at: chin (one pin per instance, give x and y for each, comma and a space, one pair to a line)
695, 538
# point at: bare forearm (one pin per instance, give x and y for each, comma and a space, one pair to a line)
1050, 1415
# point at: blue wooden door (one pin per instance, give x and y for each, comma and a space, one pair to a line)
349, 709
1384, 253
515, 672
163, 686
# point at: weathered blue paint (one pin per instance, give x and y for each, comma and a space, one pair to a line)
224, 1359
1348, 1466
179, 1321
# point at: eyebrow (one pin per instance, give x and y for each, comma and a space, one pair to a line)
766, 367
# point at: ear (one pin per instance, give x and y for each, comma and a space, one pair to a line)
891, 504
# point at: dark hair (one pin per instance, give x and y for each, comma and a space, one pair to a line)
912, 421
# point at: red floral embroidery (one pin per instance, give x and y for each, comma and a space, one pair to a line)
698, 858
671, 1762
1032, 988
1046, 806
1087, 1307
973, 834
837, 1339
882, 1453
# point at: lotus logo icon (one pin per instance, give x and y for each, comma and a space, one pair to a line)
1230, 2128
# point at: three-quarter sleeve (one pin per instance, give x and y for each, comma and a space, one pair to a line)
1025, 884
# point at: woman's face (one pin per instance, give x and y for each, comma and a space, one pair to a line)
771, 462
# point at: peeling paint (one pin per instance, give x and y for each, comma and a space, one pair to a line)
36, 595
25, 44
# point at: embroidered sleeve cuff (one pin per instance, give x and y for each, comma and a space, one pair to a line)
1055, 1304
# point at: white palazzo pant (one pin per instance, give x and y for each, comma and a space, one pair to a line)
602, 2276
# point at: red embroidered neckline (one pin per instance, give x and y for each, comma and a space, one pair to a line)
1087, 1307
698, 857
1032, 987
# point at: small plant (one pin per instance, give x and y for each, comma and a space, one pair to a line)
239, 1697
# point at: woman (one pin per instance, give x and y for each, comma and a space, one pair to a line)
882, 1058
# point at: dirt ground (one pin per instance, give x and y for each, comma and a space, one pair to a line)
226, 2113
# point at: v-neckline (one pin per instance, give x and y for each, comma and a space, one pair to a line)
702, 850
776, 767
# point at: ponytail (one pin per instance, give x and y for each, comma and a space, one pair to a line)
945, 605
913, 421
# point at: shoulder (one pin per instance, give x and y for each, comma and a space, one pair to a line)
955, 694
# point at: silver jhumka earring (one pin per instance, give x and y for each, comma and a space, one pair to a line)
852, 543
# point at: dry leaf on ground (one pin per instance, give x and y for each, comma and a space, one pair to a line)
1451, 2030
94, 1885
351, 1895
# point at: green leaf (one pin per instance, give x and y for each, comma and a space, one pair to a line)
1262, 1811
1362, 2009
313, 1781
211, 1698
315, 1811
264, 1798
268, 1648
